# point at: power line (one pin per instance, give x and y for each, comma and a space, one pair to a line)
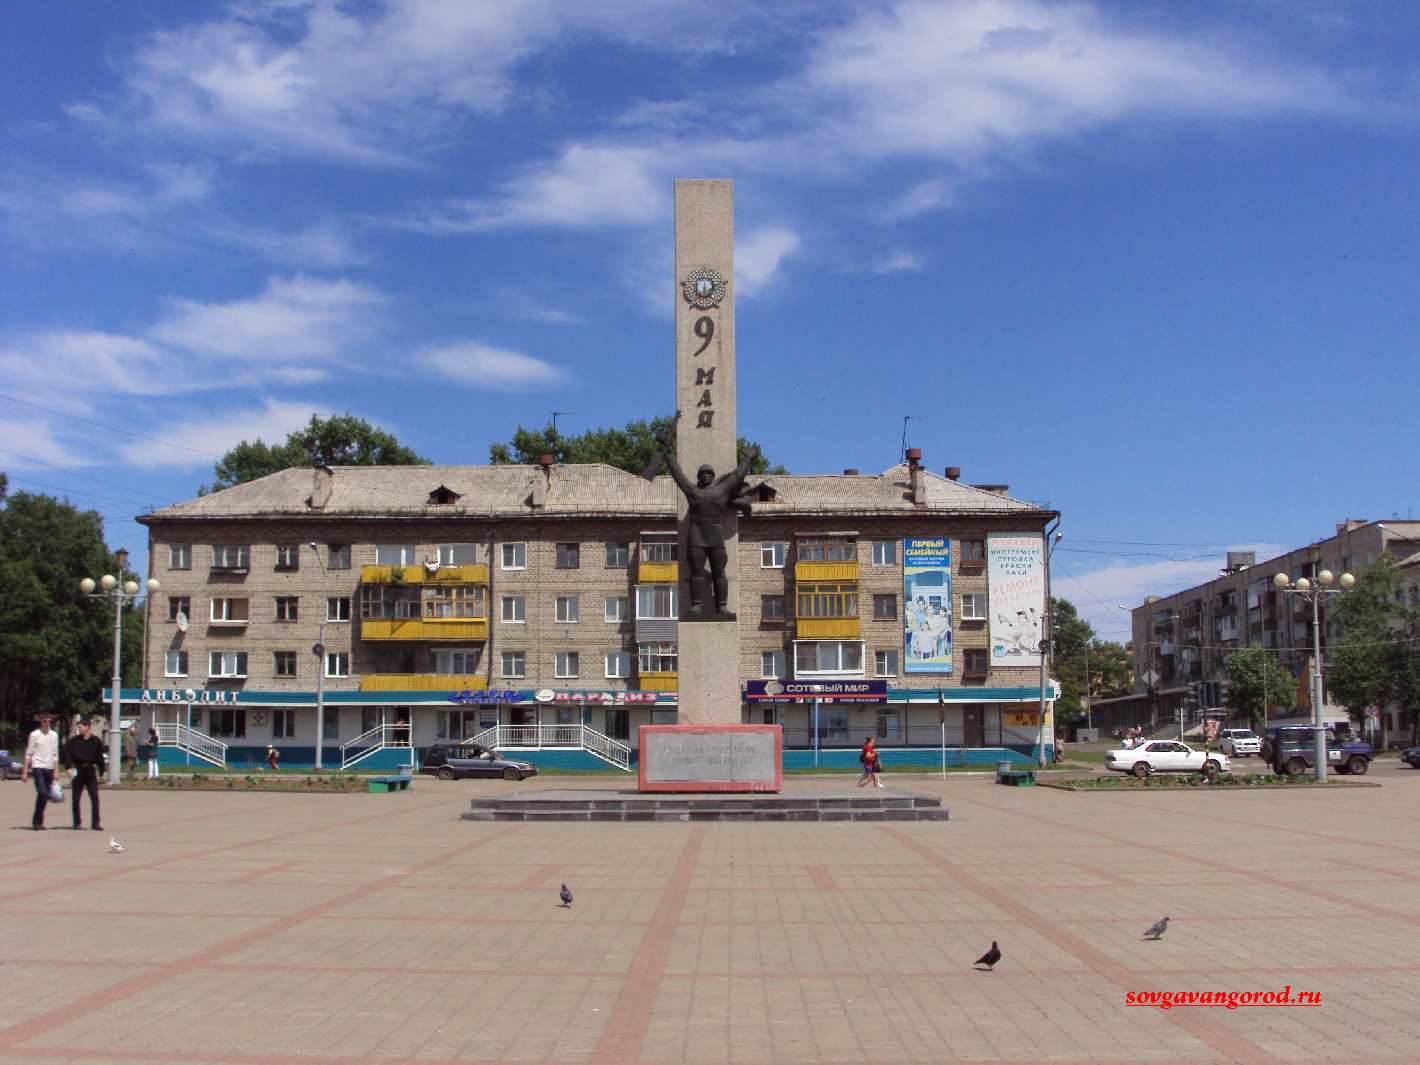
110, 428
75, 473
68, 491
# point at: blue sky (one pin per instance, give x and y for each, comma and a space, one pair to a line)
1151, 262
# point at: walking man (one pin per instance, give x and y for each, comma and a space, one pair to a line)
130, 750
41, 760
85, 756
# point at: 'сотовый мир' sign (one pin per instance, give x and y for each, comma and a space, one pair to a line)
828, 691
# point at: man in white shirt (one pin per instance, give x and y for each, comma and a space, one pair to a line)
41, 761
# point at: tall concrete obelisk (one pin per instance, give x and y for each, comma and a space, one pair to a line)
709, 666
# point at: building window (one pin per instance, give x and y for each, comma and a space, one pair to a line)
337, 556
458, 554
514, 664
771, 664
974, 661
453, 601
616, 608
828, 656
973, 550
885, 552
884, 663
828, 550
973, 607
771, 608
514, 610
514, 556
657, 656
884, 608
457, 661
658, 548
227, 664
618, 665
568, 609
833, 723
383, 601
337, 663
830, 600
656, 602
175, 664
285, 663
337, 608
228, 721
569, 556
890, 726
772, 555
231, 557
330, 727
283, 724
288, 556
287, 607
229, 611
566, 664
179, 604
179, 556
394, 555
618, 556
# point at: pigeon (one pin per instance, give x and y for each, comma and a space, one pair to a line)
565, 896
990, 958
1156, 930
114, 846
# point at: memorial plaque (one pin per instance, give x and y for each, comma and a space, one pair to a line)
710, 758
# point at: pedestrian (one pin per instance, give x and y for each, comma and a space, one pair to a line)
85, 755
41, 760
1059, 750
130, 751
868, 757
153, 746
877, 769
272, 755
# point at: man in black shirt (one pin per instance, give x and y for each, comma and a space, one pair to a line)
86, 758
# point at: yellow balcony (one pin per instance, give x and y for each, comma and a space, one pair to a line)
473, 573
419, 629
828, 628
421, 682
658, 572
826, 571
658, 682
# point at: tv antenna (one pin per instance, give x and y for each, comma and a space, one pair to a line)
902, 455
554, 422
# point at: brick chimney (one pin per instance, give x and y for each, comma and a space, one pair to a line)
322, 485
953, 473
916, 475
850, 472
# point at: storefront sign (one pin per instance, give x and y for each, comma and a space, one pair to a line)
927, 605
1015, 569
489, 695
616, 698
189, 695
1020, 718
828, 691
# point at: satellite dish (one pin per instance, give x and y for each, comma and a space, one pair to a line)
318, 649
181, 620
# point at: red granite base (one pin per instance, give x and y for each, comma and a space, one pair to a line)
706, 758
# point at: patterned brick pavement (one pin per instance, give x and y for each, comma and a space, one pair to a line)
380, 929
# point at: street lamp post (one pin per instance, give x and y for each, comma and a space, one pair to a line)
1045, 632
108, 587
1314, 595
319, 650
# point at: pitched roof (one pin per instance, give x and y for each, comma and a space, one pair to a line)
585, 490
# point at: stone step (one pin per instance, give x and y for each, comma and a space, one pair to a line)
707, 808
924, 814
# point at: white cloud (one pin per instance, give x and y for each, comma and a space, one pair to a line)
295, 317
33, 445
83, 111
323, 245
758, 256
899, 261
922, 198
272, 422
66, 362
483, 366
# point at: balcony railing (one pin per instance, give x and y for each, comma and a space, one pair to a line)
826, 571
422, 682
658, 572
419, 573
828, 628
659, 682
419, 629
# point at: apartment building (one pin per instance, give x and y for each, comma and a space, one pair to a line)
1185, 638
453, 599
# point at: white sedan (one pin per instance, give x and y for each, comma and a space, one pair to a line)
1166, 756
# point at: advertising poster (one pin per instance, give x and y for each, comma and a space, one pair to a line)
927, 605
1015, 570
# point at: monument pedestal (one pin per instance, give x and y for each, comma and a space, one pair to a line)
716, 758
707, 672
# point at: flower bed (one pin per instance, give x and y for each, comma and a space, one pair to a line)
217, 781
1183, 782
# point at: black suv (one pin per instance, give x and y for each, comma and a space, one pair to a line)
448, 761
1291, 749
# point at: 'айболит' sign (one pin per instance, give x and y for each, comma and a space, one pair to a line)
828, 691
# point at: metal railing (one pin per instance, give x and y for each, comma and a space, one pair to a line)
174, 734
375, 739
538, 737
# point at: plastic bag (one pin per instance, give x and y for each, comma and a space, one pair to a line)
56, 792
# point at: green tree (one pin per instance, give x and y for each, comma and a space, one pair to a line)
1376, 660
629, 448
56, 645
340, 440
1256, 680
1110, 668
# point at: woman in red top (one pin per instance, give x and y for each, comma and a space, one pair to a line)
869, 757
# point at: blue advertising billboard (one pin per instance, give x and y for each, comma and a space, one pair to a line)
927, 605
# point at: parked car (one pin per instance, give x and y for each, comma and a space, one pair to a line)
9, 768
1291, 749
1411, 756
1166, 756
449, 761
1239, 742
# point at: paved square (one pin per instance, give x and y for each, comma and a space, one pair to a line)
378, 929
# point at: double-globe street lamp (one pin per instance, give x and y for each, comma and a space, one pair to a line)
108, 587
1314, 594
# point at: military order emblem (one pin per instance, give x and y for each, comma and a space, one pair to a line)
704, 288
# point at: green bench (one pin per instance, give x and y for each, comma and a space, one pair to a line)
394, 783
1016, 778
